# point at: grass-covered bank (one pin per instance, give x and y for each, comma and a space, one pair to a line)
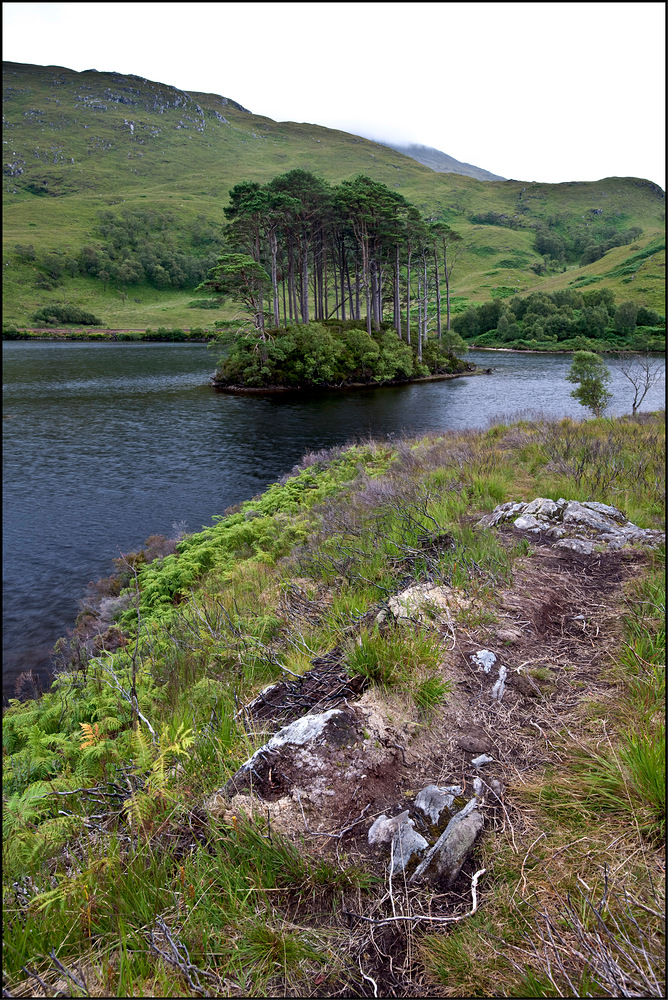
109, 860
161, 335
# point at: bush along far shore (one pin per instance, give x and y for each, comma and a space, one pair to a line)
195, 334
333, 354
567, 320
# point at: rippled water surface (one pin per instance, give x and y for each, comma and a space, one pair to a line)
106, 444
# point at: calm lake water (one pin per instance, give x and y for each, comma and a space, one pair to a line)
106, 444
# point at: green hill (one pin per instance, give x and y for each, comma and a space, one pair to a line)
161, 160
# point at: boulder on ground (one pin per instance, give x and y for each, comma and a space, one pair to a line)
575, 525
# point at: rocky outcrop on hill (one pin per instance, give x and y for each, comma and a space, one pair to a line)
571, 524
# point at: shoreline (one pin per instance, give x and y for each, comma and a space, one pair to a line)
522, 350
240, 390
108, 334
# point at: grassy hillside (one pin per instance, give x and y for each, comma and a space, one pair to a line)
129, 864
77, 144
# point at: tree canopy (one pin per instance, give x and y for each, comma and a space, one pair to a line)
350, 251
591, 375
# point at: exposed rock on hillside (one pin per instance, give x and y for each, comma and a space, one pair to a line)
573, 525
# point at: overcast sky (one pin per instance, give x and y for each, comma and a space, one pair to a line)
533, 91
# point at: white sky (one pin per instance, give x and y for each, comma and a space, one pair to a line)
533, 91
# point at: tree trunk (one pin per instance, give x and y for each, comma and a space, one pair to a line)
408, 298
380, 294
273, 242
438, 296
305, 313
397, 299
343, 284
419, 299
357, 292
324, 264
291, 282
447, 288
425, 294
373, 268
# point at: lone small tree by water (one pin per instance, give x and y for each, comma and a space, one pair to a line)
591, 375
642, 372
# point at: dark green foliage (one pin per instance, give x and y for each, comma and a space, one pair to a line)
626, 316
53, 314
11, 332
146, 245
633, 262
565, 320
565, 238
648, 317
329, 354
206, 303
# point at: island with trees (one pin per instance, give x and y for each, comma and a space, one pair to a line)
329, 279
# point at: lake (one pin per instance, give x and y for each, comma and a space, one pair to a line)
106, 444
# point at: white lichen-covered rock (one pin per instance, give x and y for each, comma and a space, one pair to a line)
541, 505
433, 799
304, 745
573, 524
484, 659
500, 684
527, 522
414, 603
398, 831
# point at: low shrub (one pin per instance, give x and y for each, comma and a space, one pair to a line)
53, 314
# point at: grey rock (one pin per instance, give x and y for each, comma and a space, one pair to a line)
527, 522
334, 728
575, 513
580, 545
454, 845
482, 759
541, 505
399, 832
607, 509
500, 685
504, 512
555, 532
479, 789
433, 799
580, 524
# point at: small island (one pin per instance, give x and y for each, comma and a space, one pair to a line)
332, 354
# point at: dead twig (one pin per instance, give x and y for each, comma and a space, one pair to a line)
424, 917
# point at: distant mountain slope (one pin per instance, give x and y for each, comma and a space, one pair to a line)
84, 151
441, 162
